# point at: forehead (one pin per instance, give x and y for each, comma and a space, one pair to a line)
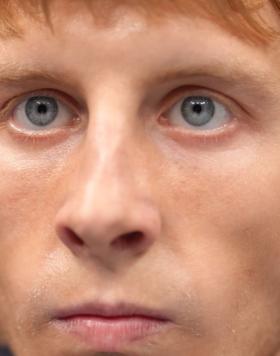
241, 17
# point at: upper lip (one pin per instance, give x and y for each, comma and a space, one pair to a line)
120, 309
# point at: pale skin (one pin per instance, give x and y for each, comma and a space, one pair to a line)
205, 203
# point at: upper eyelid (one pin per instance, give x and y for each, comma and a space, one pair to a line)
179, 94
234, 108
9, 106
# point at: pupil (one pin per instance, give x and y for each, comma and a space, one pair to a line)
197, 108
42, 109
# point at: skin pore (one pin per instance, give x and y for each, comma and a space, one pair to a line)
120, 199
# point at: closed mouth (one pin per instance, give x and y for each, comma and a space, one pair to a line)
109, 328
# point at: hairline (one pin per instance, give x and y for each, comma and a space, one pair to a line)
234, 16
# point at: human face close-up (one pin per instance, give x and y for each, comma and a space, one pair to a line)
139, 187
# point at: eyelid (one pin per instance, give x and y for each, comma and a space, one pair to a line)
10, 105
180, 93
202, 138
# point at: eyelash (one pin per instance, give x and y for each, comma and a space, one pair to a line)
10, 106
211, 136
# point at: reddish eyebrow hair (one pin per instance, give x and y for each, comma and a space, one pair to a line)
215, 70
14, 75
238, 16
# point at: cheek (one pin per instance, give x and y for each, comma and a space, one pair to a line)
225, 232
31, 188
28, 189
22, 241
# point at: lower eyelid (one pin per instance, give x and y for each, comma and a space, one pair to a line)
201, 139
52, 136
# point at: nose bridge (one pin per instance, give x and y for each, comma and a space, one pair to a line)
108, 159
111, 135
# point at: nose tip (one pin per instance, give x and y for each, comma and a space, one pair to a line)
106, 232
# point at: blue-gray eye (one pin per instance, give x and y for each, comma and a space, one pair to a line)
41, 110
198, 110
199, 113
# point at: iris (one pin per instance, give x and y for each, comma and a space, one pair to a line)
41, 110
198, 110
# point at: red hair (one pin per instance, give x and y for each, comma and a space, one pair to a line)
239, 16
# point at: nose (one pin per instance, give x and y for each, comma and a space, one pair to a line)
108, 213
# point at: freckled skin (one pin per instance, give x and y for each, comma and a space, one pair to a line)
207, 210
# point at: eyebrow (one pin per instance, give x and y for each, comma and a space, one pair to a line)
228, 74
11, 76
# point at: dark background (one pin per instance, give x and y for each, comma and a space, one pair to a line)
4, 352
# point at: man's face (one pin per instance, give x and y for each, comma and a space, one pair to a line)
123, 182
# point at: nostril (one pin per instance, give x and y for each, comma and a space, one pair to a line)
70, 238
127, 241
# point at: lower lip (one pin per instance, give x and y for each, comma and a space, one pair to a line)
111, 334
